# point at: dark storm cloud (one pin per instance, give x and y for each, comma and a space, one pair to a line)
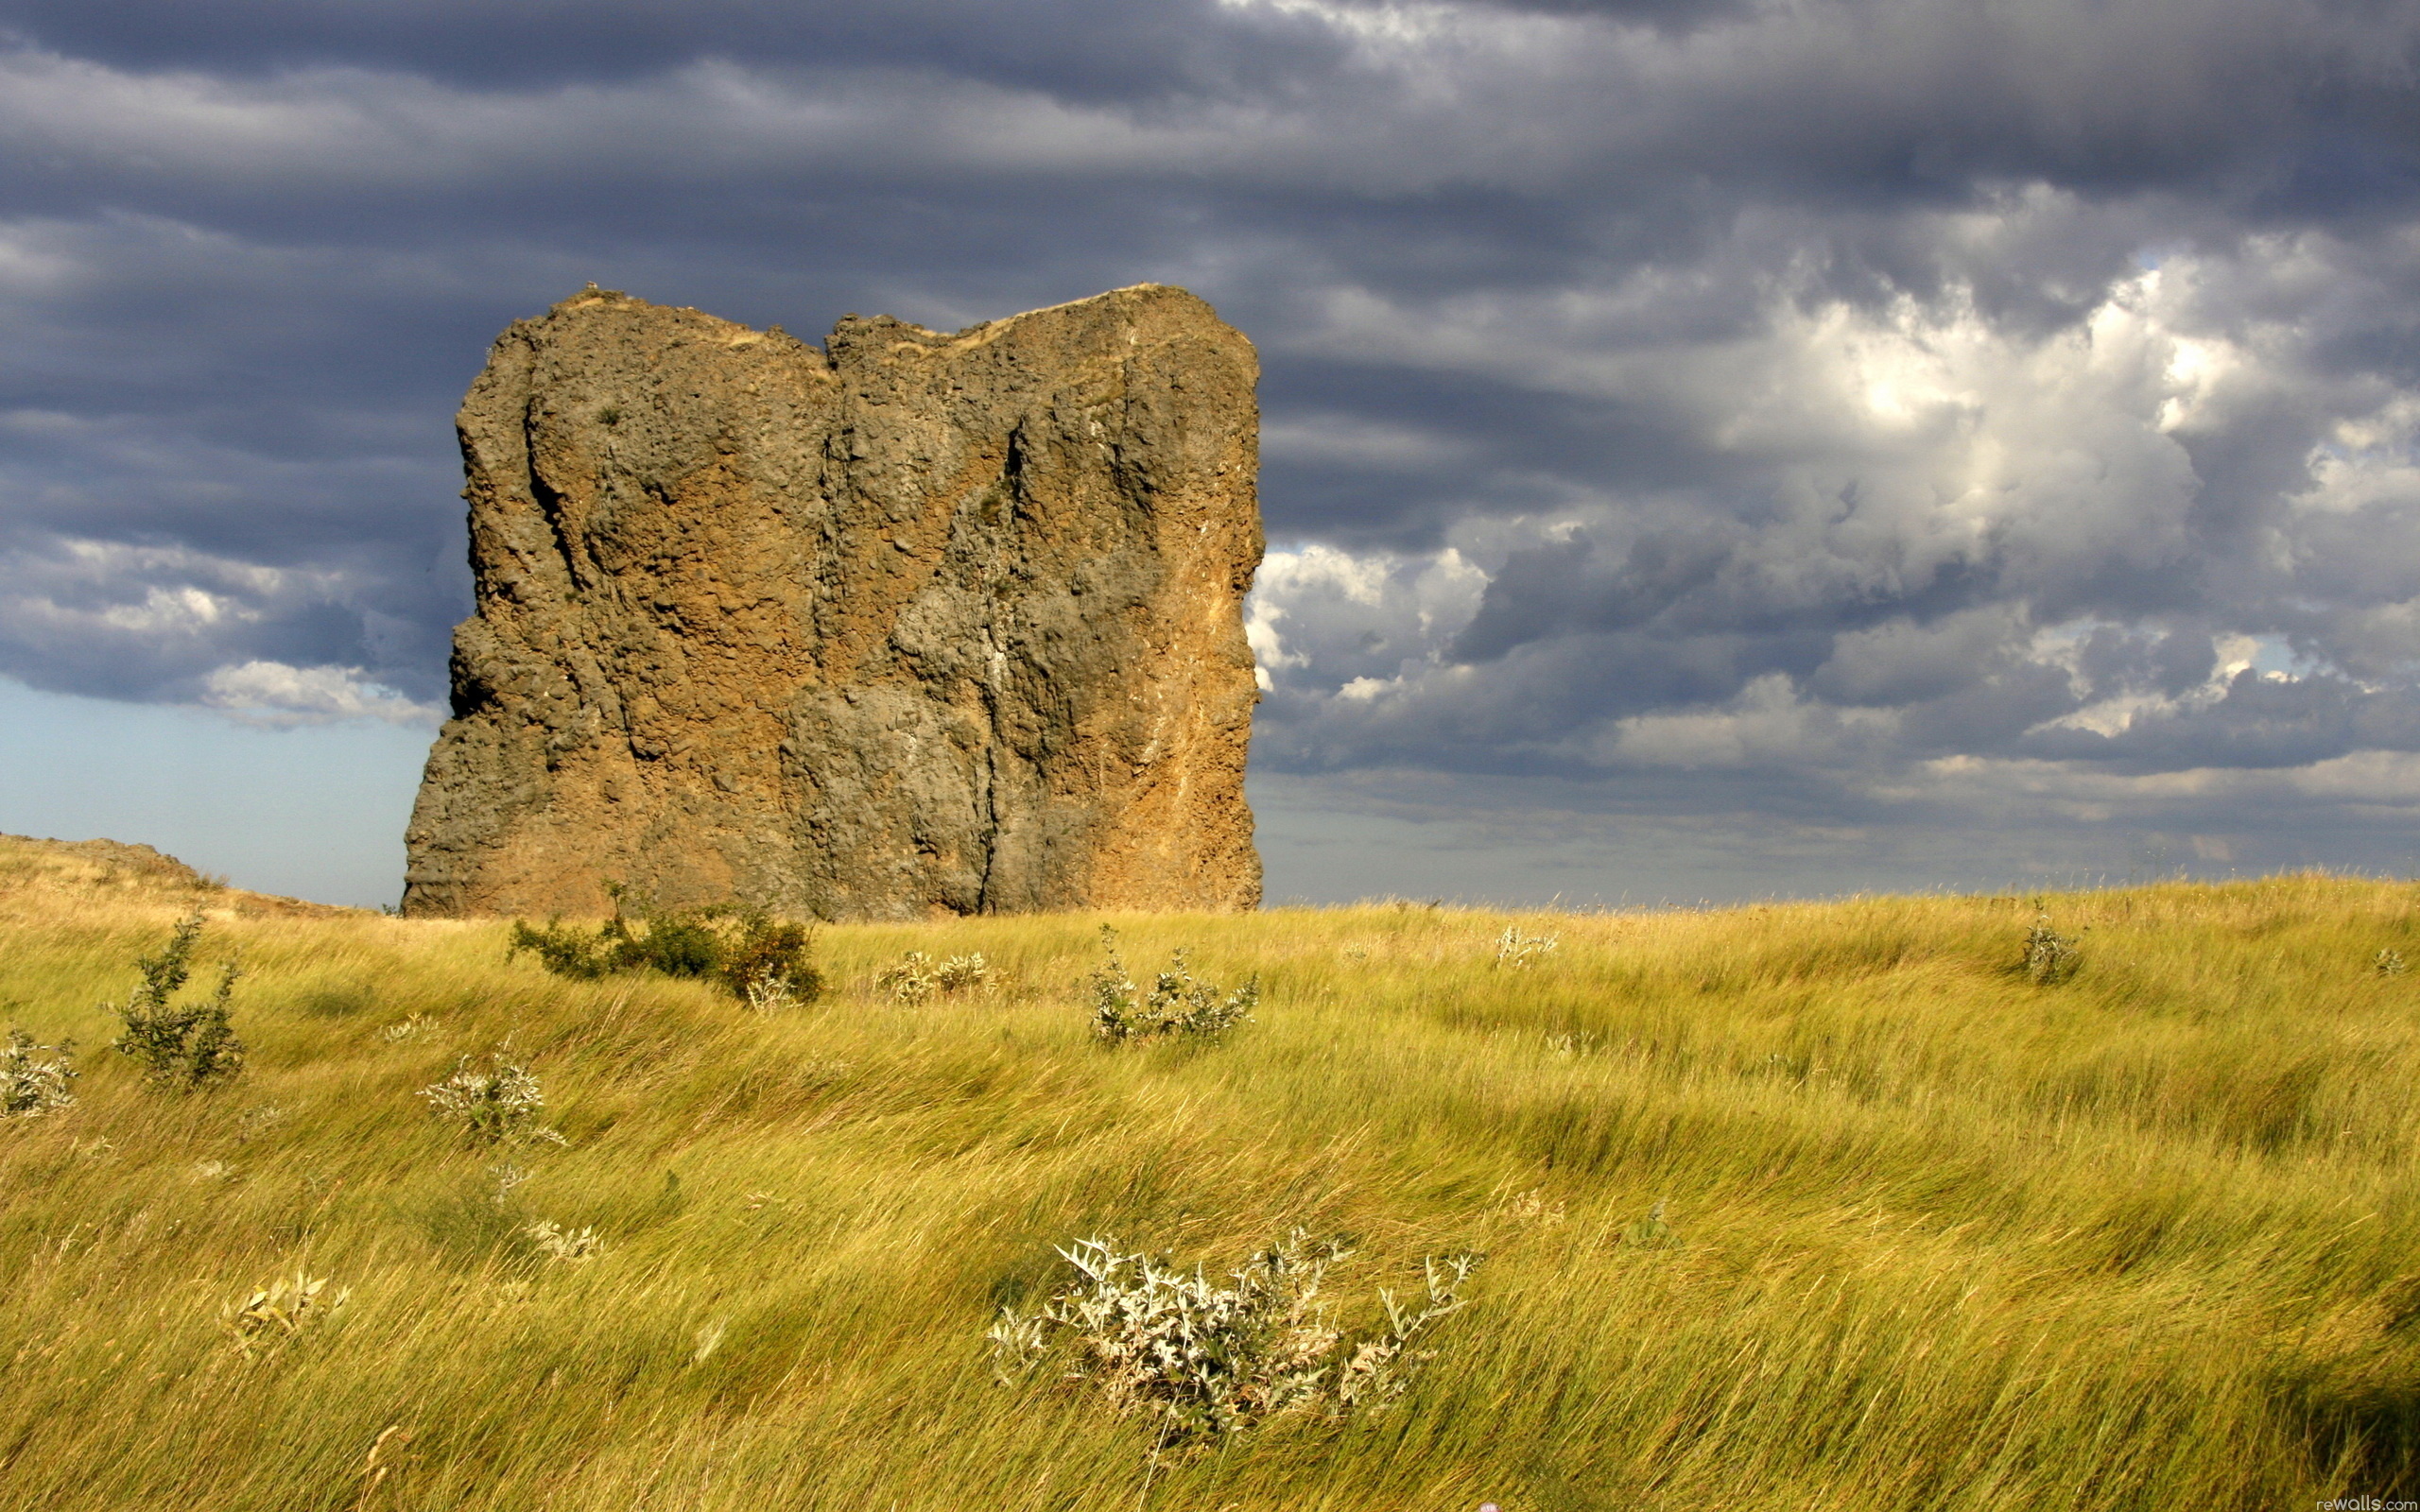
1076, 48
1827, 410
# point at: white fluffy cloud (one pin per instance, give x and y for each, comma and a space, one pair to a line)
1956, 559
272, 693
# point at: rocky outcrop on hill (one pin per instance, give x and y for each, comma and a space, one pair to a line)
915, 624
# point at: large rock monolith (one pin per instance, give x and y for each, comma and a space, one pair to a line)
916, 624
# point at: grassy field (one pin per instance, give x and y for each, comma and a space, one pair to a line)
1945, 1238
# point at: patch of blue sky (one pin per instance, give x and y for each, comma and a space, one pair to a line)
314, 811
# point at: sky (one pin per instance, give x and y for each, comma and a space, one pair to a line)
1711, 450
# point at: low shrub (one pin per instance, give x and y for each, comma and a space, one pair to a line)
1651, 1232
555, 1242
762, 961
918, 978
563, 950
1514, 950
188, 1046
31, 1085
1207, 1359
772, 958
2050, 958
497, 1105
279, 1312
675, 945
1176, 1004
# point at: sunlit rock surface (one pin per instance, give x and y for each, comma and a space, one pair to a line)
915, 624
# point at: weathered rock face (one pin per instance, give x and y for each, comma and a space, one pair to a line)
916, 624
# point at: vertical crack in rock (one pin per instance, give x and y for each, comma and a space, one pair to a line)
916, 624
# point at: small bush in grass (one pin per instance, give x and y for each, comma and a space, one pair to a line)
1176, 1004
677, 945
772, 959
508, 1178
1651, 1232
495, 1104
1207, 1359
2050, 958
2388, 963
557, 1243
750, 954
561, 949
277, 1312
188, 1046
1514, 950
771, 995
964, 973
916, 978
909, 979
31, 1085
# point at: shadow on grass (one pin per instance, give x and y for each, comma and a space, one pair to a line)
2362, 1436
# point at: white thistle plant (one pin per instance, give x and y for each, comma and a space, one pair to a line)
1514, 950
497, 1105
275, 1314
767, 994
31, 1084
555, 1242
1176, 1004
2050, 958
1207, 1359
916, 978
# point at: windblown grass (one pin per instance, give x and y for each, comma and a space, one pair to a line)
1941, 1237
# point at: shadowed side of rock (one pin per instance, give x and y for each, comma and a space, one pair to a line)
919, 622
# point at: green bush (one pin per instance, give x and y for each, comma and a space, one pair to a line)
561, 949
771, 956
675, 945
182, 1047
755, 956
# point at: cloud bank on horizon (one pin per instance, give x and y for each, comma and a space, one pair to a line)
1903, 441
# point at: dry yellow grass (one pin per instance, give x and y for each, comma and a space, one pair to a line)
1947, 1239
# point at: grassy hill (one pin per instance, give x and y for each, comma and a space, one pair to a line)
1932, 1235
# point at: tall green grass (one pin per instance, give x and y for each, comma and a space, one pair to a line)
1945, 1238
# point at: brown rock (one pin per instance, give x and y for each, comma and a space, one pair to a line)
916, 624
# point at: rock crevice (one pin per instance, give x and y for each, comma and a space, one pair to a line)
918, 623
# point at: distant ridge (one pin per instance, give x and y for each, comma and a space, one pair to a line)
123, 870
